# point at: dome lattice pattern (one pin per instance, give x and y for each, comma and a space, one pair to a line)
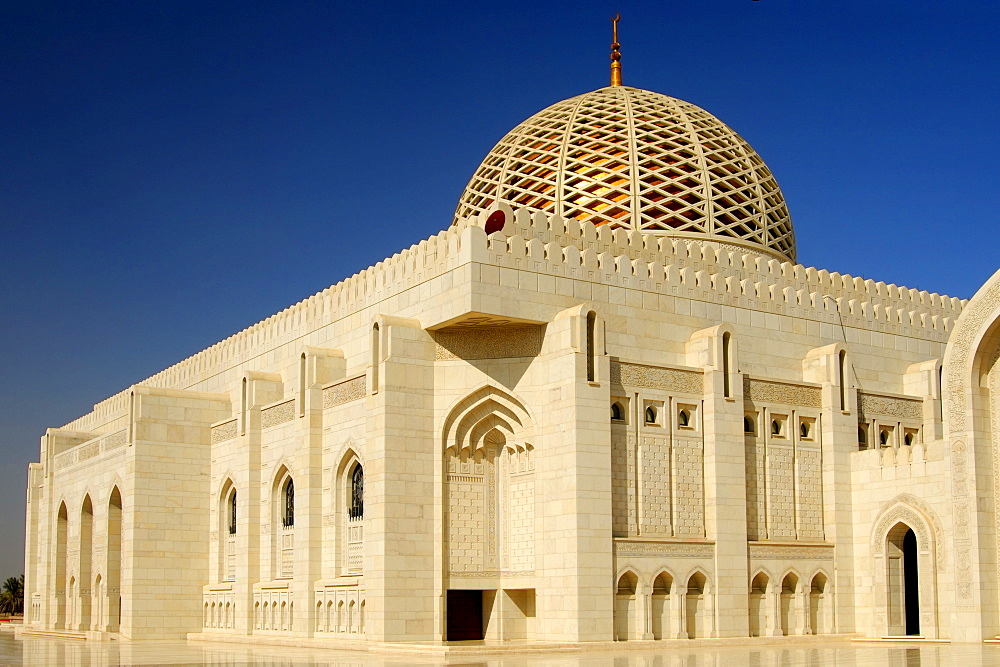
635, 159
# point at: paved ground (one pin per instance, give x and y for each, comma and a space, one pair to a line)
37, 651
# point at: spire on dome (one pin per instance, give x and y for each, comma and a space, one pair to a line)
616, 56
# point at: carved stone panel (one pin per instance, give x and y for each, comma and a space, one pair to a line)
768, 391
489, 343
657, 377
343, 392
890, 406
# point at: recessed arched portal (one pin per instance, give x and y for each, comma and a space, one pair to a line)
902, 580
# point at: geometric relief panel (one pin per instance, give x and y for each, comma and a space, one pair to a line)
689, 491
781, 498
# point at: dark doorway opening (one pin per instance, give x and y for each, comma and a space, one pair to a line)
465, 615
911, 583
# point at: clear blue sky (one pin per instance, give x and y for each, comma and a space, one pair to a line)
170, 173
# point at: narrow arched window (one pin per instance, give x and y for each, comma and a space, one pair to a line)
302, 385
862, 436
289, 518
243, 409
775, 427
883, 437
651, 415
804, 429
683, 418
232, 514
591, 321
748, 425
376, 357
357, 510
842, 377
616, 412
726, 342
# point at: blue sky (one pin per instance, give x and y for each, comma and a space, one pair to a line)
173, 172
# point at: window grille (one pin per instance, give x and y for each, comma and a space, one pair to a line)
289, 518
357, 509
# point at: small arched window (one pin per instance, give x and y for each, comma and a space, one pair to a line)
357, 510
883, 437
289, 516
775, 427
591, 322
908, 439
232, 513
651, 415
683, 418
804, 429
617, 414
748, 425
726, 358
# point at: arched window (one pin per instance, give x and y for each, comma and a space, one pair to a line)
883, 437
232, 513
650, 415
842, 378
289, 517
617, 414
683, 418
775, 427
591, 321
862, 436
357, 510
376, 357
804, 429
748, 425
726, 356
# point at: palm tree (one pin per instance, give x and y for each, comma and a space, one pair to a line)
12, 596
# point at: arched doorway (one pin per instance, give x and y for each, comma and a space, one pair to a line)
625, 606
758, 600
903, 581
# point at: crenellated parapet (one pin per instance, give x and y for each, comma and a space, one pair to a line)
708, 272
713, 273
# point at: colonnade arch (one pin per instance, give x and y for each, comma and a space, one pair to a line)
663, 606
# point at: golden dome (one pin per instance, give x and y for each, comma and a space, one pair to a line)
635, 159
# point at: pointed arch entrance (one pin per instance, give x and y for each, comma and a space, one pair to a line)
489, 516
904, 545
903, 579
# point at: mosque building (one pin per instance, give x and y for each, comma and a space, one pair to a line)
604, 404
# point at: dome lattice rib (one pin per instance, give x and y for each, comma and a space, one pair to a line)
636, 159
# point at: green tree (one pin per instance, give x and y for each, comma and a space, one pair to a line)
12, 596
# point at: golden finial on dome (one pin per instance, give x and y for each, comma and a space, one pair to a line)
616, 56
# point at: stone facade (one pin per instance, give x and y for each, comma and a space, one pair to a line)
554, 431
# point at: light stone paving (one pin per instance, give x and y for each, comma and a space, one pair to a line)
45, 651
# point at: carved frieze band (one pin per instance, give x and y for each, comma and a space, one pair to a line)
767, 391
344, 392
223, 432
489, 343
891, 406
277, 414
665, 549
766, 551
89, 450
493, 573
115, 440
656, 377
